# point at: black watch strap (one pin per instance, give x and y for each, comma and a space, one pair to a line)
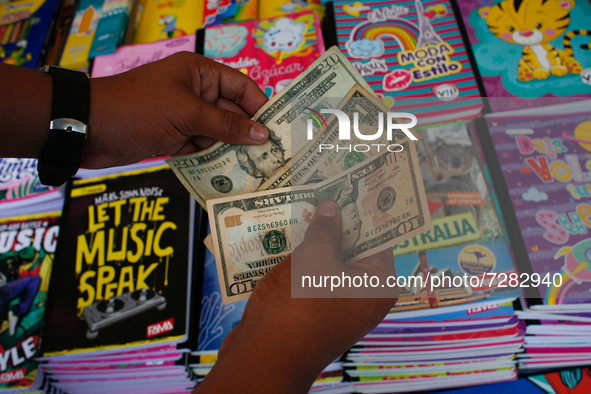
60, 159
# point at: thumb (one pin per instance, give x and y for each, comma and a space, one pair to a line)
324, 232
230, 127
317, 255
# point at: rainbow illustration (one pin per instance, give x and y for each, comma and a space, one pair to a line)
404, 32
576, 269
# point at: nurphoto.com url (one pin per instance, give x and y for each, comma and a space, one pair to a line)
493, 279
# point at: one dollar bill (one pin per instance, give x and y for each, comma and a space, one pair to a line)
382, 203
229, 170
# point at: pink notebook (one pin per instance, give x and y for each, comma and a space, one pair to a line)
130, 56
271, 51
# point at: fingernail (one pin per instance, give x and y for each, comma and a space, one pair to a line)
327, 208
259, 133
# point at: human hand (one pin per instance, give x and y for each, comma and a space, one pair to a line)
282, 343
174, 106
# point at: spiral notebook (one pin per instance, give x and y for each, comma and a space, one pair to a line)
412, 54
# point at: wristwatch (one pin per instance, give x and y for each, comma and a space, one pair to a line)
60, 158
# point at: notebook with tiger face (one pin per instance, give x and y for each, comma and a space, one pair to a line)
526, 49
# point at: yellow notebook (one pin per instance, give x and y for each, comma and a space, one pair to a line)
162, 19
79, 41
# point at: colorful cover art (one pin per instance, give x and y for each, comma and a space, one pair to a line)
530, 48
217, 319
442, 331
544, 162
19, 180
163, 19
81, 35
27, 247
568, 381
24, 30
111, 28
411, 53
217, 12
511, 330
270, 51
479, 311
466, 240
123, 266
271, 8
127, 57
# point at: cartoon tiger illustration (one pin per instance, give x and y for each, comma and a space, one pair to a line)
533, 24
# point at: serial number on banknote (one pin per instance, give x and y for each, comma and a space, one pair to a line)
266, 226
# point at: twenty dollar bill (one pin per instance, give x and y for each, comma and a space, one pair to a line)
326, 155
229, 170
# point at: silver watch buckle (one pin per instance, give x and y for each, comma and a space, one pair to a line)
70, 125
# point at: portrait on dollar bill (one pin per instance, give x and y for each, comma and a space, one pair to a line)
261, 161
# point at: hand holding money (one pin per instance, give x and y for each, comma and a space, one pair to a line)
275, 324
379, 191
382, 203
229, 170
173, 106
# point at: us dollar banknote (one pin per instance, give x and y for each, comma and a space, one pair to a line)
382, 203
229, 170
326, 155
312, 164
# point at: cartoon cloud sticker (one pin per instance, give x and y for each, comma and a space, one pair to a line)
286, 36
365, 48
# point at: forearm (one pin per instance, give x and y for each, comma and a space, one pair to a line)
270, 352
25, 110
255, 363
174, 106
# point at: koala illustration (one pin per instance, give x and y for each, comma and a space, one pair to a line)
451, 166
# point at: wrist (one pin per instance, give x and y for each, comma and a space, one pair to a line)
96, 117
110, 124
